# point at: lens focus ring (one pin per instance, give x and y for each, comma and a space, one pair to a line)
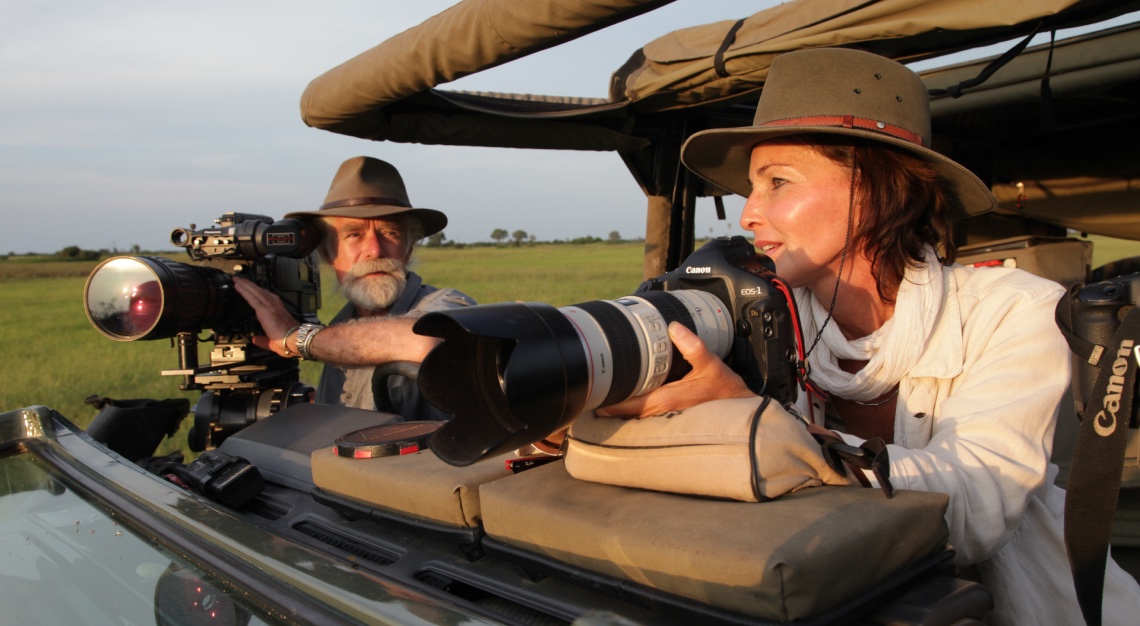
625, 346
670, 307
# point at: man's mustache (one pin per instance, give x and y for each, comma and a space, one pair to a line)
373, 266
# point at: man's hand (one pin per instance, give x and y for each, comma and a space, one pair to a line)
275, 319
710, 380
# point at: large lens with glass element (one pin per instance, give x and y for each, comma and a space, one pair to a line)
134, 298
512, 373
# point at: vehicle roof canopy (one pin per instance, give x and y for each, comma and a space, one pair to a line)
1051, 118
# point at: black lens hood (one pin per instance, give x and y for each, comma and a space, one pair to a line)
509, 373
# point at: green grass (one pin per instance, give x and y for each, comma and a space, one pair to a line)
1107, 249
555, 274
56, 358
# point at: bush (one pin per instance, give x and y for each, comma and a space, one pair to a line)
75, 253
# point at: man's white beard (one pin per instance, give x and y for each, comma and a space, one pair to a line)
375, 293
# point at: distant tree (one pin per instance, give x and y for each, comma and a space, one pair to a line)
518, 236
615, 236
499, 234
533, 238
75, 253
135, 249
435, 240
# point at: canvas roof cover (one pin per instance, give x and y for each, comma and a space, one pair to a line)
710, 75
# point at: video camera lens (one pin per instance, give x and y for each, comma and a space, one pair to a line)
527, 370
139, 298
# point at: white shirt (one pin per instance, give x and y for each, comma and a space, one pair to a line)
975, 420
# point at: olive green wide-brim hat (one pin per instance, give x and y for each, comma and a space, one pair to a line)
834, 91
368, 188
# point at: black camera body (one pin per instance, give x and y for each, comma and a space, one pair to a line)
150, 297
763, 350
230, 480
513, 373
1097, 311
274, 255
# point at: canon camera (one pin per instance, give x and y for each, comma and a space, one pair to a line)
513, 373
130, 298
1096, 312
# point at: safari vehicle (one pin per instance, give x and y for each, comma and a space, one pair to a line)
274, 526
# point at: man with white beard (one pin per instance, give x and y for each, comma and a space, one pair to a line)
368, 230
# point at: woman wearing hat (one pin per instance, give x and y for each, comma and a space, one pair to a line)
959, 370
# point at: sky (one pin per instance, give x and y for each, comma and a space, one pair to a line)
121, 120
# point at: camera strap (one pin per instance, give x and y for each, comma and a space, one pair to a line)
870, 455
1093, 490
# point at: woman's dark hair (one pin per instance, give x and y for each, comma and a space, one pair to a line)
906, 207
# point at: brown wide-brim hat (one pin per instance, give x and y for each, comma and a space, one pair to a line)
368, 188
835, 91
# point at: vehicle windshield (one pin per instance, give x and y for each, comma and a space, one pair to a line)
67, 561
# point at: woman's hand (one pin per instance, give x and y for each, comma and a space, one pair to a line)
710, 380
274, 318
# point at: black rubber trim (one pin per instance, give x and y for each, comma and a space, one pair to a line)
673, 310
624, 341
670, 307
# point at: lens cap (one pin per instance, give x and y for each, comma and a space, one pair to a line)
386, 440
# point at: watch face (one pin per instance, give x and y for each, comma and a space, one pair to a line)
386, 440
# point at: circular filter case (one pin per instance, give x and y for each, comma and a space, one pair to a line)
386, 440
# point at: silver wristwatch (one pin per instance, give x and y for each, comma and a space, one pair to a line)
305, 336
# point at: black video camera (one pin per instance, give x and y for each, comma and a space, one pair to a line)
151, 297
513, 373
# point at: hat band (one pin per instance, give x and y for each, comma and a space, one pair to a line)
850, 121
336, 204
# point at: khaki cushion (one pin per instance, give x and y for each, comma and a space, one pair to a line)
703, 451
790, 558
418, 485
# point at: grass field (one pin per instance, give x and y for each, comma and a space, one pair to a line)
52, 355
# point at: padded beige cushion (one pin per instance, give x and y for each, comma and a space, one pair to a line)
419, 485
702, 451
790, 558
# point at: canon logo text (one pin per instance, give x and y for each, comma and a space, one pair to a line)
1105, 423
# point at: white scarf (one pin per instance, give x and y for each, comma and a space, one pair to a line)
890, 352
